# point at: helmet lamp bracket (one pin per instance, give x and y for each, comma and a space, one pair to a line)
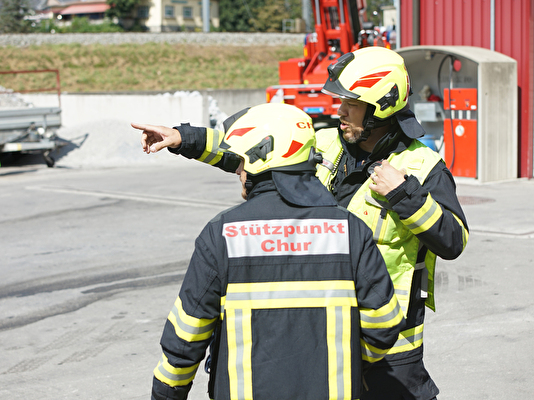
389, 99
261, 150
334, 70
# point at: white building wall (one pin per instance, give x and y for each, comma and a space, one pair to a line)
159, 109
158, 22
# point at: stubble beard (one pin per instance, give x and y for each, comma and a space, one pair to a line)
352, 135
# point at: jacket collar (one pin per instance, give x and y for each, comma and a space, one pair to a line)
302, 189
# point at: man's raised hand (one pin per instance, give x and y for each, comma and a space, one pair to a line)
155, 138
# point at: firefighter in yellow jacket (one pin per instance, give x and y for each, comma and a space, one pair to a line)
288, 288
375, 166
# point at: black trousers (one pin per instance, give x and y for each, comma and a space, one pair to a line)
409, 381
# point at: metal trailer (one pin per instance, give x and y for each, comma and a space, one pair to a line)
31, 130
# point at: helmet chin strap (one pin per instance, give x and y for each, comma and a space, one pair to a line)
248, 185
368, 124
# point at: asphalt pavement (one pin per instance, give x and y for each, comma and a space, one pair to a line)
92, 261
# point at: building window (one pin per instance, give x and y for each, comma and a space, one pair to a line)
142, 12
188, 12
169, 11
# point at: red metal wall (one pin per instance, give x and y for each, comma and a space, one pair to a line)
468, 23
455, 22
406, 11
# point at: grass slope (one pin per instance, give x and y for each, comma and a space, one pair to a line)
146, 67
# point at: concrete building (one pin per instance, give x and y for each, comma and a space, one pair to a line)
175, 15
156, 15
63, 11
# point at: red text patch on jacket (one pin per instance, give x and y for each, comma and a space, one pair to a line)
286, 236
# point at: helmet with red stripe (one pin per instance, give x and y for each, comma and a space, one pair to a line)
374, 75
271, 136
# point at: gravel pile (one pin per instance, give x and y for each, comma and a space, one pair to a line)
104, 143
114, 143
198, 38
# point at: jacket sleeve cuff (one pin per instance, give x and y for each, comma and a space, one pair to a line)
161, 391
193, 141
405, 189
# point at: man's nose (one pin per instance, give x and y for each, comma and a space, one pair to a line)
341, 110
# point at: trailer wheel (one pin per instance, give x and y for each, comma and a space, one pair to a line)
49, 160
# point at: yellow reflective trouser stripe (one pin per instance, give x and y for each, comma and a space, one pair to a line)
338, 297
190, 328
424, 218
212, 154
385, 317
172, 376
408, 340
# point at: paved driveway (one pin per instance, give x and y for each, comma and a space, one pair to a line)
92, 260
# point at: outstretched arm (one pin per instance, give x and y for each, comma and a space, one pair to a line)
192, 142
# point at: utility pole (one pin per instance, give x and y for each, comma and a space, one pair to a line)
307, 15
206, 15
